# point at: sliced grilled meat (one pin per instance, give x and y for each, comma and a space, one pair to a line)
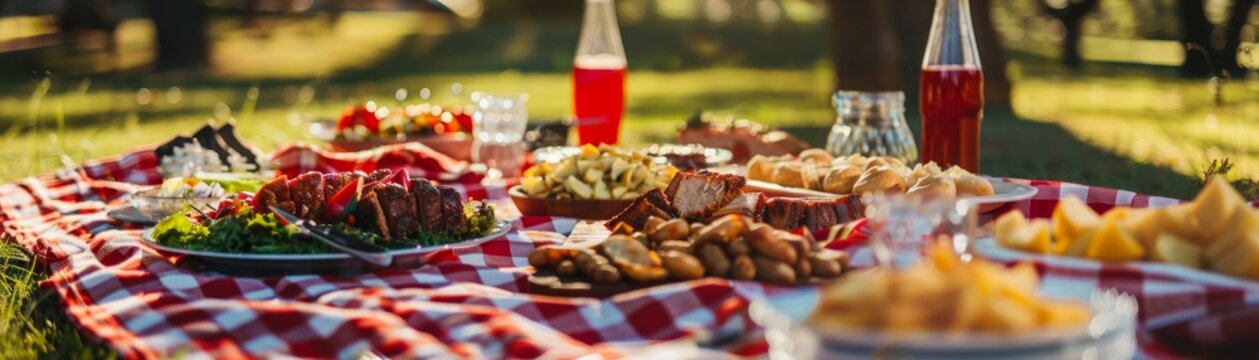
452, 208
784, 213
307, 193
849, 208
428, 203
750, 205
333, 182
276, 193
653, 203
697, 195
369, 216
399, 207
821, 214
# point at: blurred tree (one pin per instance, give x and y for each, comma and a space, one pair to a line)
181, 33
1237, 19
991, 54
1070, 14
872, 45
1197, 30
864, 51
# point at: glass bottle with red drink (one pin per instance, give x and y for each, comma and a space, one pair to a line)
599, 76
951, 92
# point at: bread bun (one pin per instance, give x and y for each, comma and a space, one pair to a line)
841, 179
875, 162
894, 162
879, 179
936, 185
816, 156
760, 168
971, 185
857, 160
788, 174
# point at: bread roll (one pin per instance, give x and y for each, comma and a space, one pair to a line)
816, 156
936, 185
760, 168
841, 179
788, 174
879, 179
971, 185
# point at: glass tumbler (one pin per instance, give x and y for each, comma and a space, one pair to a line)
498, 130
871, 124
903, 225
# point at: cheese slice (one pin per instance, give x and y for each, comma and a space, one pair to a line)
1170, 248
1111, 243
1241, 222
1242, 260
1215, 204
1072, 222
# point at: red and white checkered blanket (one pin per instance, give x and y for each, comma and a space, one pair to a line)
464, 303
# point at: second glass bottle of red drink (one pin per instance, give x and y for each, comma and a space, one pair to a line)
951, 92
599, 76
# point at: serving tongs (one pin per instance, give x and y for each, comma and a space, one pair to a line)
369, 253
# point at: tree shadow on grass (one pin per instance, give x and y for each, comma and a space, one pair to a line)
1014, 147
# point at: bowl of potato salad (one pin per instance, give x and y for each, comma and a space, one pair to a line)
593, 184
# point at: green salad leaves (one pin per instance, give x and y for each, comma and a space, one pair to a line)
246, 231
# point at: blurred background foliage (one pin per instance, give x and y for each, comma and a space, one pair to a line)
1101, 92
1133, 94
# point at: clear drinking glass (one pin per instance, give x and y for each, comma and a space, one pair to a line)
498, 130
871, 124
904, 224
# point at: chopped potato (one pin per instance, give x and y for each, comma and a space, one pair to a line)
603, 172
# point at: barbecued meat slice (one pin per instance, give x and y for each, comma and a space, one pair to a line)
428, 204
380, 174
821, 214
849, 208
307, 193
276, 193
697, 195
751, 205
653, 203
399, 207
333, 182
369, 216
784, 213
452, 208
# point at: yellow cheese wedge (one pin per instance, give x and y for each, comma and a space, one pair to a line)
1009, 223
1145, 225
1111, 243
1237, 227
1073, 220
1242, 260
1062, 315
1170, 248
1216, 203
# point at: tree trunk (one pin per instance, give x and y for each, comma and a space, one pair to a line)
181, 33
864, 45
1071, 16
1196, 30
991, 54
1071, 42
1233, 37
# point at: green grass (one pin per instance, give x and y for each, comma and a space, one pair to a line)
32, 322
1130, 127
